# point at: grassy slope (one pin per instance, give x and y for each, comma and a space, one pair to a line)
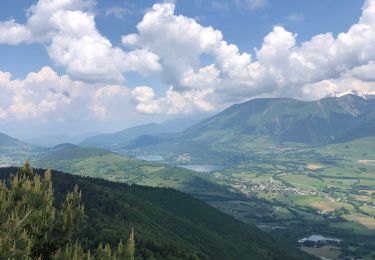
103, 164
168, 223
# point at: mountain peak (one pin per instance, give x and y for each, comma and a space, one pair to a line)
362, 94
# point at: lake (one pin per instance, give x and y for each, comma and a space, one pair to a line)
201, 167
194, 167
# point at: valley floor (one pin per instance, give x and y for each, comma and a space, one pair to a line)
297, 191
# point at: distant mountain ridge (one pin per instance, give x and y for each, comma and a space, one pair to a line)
53, 140
6, 140
14, 151
113, 140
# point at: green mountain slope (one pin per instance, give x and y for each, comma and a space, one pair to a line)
289, 120
168, 224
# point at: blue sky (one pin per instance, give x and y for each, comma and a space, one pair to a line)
86, 66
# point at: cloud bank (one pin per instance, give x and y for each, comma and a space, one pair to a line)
45, 95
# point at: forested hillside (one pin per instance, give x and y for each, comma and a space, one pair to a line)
168, 224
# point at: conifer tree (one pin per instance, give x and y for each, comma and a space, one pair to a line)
131, 246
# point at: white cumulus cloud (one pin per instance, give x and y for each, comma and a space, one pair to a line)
38, 94
69, 31
13, 33
173, 103
46, 96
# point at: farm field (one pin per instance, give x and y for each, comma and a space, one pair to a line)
329, 252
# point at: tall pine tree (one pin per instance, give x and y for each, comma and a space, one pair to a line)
32, 228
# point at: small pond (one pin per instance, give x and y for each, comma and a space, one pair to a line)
319, 238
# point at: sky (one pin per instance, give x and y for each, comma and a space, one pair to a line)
81, 66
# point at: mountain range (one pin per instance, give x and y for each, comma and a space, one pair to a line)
279, 120
323, 121
120, 138
54, 140
341, 118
